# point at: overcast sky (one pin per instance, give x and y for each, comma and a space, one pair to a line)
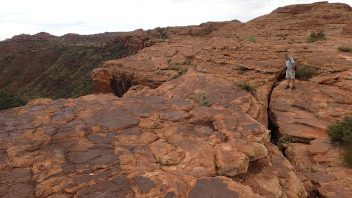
59, 17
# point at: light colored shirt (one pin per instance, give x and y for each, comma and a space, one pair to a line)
290, 64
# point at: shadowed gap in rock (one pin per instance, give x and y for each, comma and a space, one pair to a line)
272, 123
121, 84
275, 136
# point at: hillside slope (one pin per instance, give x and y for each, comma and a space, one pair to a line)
43, 65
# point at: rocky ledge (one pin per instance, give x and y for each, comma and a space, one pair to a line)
143, 145
302, 118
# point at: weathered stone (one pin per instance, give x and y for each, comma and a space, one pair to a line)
118, 186
111, 118
174, 116
166, 154
143, 184
308, 111
219, 187
265, 174
169, 136
230, 161
253, 150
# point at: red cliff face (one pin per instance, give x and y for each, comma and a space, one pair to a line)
199, 111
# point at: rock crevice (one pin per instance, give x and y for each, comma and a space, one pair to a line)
299, 120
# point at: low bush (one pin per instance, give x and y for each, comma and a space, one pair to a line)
162, 33
283, 142
341, 132
247, 87
179, 69
316, 36
345, 49
305, 72
204, 101
9, 101
251, 38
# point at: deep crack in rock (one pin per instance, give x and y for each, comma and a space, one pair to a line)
121, 84
272, 125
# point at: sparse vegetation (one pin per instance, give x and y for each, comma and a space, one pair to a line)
59, 71
316, 36
162, 33
345, 49
179, 69
247, 87
204, 101
341, 132
305, 72
283, 142
251, 38
8, 101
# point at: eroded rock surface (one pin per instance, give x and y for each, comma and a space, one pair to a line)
81, 154
148, 143
302, 116
180, 125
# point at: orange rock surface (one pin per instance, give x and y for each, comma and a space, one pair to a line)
188, 117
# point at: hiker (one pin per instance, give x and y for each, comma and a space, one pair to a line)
290, 71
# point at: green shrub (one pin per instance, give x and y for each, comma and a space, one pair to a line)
283, 142
341, 132
179, 69
8, 101
316, 36
345, 49
162, 33
203, 101
305, 72
251, 38
247, 87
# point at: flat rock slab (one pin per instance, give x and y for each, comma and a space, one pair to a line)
101, 145
219, 187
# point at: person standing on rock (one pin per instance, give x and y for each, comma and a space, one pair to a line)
290, 71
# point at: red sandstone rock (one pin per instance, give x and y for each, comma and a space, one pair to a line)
230, 161
302, 116
177, 133
82, 154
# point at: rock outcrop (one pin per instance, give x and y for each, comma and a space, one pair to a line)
148, 146
188, 117
302, 117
